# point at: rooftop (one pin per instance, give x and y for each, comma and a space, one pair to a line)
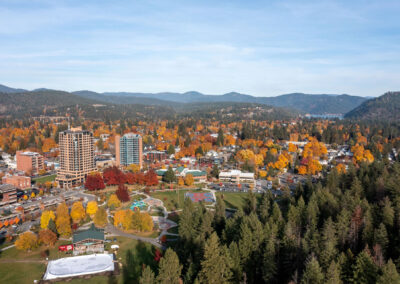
91, 233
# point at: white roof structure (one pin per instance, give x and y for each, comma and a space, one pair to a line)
235, 173
79, 265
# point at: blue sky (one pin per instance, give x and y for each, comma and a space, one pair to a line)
262, 48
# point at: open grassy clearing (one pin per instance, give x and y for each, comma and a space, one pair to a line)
136, 252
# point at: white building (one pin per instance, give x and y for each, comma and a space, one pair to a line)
236, 176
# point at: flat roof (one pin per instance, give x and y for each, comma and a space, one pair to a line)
79, 265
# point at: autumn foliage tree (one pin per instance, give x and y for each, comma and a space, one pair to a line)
100, 218
47, 237
151, 178
113, 201
189, 179
77, 212
122, 193
114, 176
45, 218
94, 181
63, 222
91, 208
26, 241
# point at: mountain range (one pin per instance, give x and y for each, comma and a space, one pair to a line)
306, 103
353, 107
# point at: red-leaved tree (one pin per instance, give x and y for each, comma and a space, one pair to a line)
94, 182
122, 193
114, 176
151, 178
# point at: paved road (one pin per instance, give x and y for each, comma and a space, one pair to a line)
6, 248
114, 231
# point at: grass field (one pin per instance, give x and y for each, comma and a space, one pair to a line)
233, 199
44, 179
132, 254
172, 199
21, 273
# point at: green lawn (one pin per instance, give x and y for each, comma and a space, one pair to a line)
172, 200
44, 179
233, 199
132, 254
156, 213
20, 273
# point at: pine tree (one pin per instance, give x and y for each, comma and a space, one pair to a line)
381, 237
171, 149
219, 216
235, 261
329, 241
220, 138
169, 270
250, 203
215, 264
215, 171
263, 209
333, 274
147, 276
364, 270
389, 274
269, 267
312, 273
52, 226
387, 213
169, 175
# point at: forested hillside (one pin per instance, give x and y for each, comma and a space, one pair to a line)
385, 107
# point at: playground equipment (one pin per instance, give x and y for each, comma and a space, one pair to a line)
138, 205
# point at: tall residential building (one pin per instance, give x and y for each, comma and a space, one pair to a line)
29, 162
76, 156
128, 149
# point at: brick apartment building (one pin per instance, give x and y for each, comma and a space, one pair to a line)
76, 157
29, 162
20, 182
154, 156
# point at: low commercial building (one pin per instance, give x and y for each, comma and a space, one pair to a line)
198, 176
21, 182
8, 194
154, 156
236, 176
89, 241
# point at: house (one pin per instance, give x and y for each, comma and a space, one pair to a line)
89, 241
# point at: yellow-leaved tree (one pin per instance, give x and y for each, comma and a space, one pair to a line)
100, 218
26, 241
113, 202
189, 179
63, 222
45, 218
91, 208
77, 212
